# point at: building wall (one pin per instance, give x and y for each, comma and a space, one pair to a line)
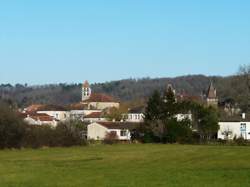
59, 115
98, 132
103, 105
135, 117
181, 117
91, 120
236, 128
31, 121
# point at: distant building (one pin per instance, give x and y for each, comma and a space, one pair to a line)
135, 115
97, 101
94, 117
99, 130
86, 91
211, 96
41, 119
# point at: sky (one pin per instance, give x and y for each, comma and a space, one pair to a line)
69, 41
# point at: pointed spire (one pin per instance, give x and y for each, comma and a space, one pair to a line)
211, 93
85, 84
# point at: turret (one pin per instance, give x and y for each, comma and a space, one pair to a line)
86, 91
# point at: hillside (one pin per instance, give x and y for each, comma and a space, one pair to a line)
125, 90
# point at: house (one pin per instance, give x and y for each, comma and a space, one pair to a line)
234, 128
58, 112
99, 130
97, 101
135, 115
181, 117
41, 119
94, 117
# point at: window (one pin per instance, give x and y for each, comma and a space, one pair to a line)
243, 127
123, 133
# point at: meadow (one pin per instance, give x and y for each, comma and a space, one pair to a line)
126, 165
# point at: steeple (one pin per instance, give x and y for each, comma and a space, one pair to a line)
211, 96
86, 91
211, 93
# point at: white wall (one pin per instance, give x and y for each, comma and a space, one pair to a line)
98, 132
181, 117
79, 114
135, 117
59, 115
103, 105
235, 128
31, 121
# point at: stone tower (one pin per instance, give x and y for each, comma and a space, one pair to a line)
86, 91
211, 96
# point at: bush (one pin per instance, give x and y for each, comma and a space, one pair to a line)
12, 129
67, 134
240, 141
111, 138
178, 132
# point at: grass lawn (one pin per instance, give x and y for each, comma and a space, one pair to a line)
127, 165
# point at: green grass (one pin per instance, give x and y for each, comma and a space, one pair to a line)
127, 165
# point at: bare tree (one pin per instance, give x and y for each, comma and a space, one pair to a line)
244, 76
244, 72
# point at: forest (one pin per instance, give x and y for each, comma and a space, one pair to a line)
230, 88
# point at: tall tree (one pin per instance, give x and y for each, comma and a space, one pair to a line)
244, 77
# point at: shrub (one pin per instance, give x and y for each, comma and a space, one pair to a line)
111, 138
240, 141
12, 128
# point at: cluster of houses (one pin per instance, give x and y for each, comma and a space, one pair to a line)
94, 106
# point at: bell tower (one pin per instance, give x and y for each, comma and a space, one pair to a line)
86, 91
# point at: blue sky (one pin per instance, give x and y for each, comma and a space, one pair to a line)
52, 41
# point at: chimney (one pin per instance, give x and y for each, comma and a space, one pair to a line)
243, 115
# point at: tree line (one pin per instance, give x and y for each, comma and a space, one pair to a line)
163, 125
231, 88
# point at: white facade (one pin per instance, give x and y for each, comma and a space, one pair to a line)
86, 92
181, 117
104, 105
91, 120
135, 117
229, 130
32, 121
79, 114
58, 115
97, 131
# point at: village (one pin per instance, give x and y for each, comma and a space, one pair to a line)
94, 110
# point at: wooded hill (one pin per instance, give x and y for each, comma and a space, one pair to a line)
125, 90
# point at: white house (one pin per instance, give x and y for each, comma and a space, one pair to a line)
80, 114
135, 115
97, 101
94, 117
58, 115
229, 130
181, 117
98, 130
41, 119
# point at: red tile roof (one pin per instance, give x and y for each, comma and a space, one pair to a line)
33, 108
119, 125
97, 97
42, 117
94, 115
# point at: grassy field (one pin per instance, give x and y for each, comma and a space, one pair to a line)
126, 165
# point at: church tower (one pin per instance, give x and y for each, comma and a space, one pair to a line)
86, 91
211, 96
